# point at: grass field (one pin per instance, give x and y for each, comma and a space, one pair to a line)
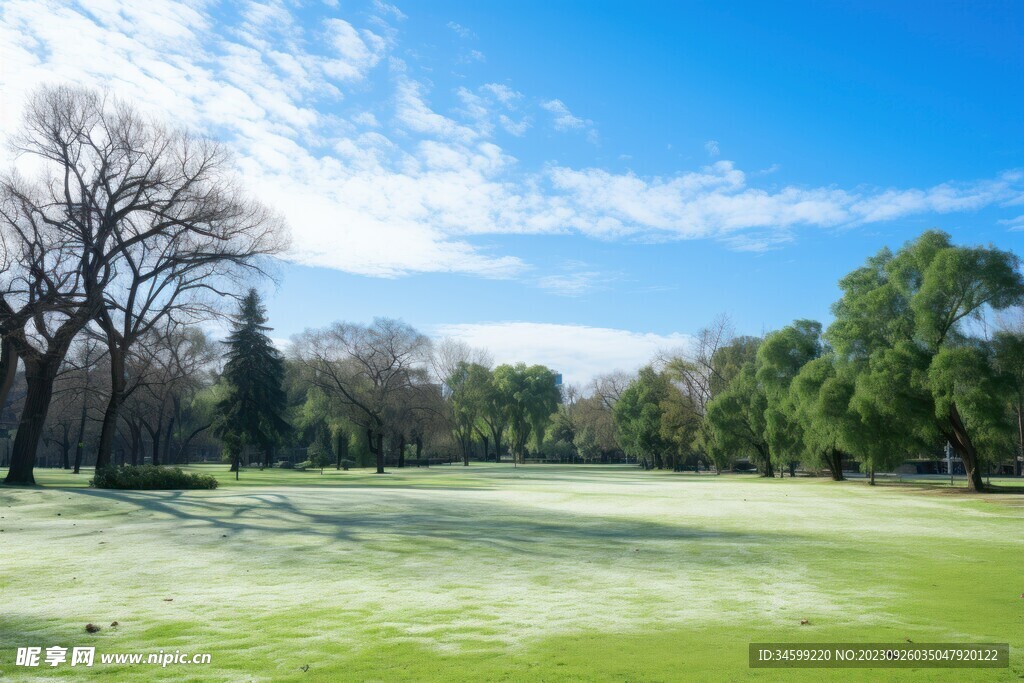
490, 573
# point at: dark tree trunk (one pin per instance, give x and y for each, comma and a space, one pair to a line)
65, 446
871, 474
497, 444
8, 369
39, 376
167, 440
136, 432
113, 409
80, 443
484, 442
768, 469
964, 447
154, 434
419, 449
376, 446
401, 450
1018, 465
834, 461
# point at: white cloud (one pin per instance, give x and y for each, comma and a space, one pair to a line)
461, 30
563, 118
711, 147
407, 189
1014, 224
574, 284
358, 51
579, 352
517, 128
504, 94
391, 10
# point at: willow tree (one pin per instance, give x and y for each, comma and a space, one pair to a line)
780, 358
736, 420
530, 397
904, 325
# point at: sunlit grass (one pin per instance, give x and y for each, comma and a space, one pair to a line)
502, 573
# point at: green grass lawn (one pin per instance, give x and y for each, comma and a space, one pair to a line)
490, 573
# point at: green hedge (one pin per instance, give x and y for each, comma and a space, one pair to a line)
150, 477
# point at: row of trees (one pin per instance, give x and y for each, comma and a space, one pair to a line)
907, 365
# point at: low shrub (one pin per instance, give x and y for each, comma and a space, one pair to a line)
345, 464
150, 477
305, 464
285, 465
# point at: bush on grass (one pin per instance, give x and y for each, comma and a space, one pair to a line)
150, 477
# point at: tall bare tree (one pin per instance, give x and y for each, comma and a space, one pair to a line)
365, 369
127, 220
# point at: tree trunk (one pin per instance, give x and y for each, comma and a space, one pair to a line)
871, 473
834, 460
1018, 466
484, 442
113, 409
497, 444
65, 446
136, 441
419, 449
401, 450
39, 376
80, 444
963, 446
167, 440
154, 434
8, 370
376, 448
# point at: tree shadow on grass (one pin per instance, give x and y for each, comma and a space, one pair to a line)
475, 523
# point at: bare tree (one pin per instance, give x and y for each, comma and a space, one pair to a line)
365, 369
127, 222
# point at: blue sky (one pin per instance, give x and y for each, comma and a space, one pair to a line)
575, 183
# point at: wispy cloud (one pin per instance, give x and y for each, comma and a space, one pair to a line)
711, 147
461, 30
564, 120
575, 284
579, 352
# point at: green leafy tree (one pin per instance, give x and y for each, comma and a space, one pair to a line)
319, 453
1008, 347
779, 358
903, 324
530, 397
252, 412
736, 421
638, 418
470, 386
819, 397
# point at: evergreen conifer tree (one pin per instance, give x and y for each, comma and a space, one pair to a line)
252, 411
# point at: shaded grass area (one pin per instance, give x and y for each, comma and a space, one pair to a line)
495, 573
